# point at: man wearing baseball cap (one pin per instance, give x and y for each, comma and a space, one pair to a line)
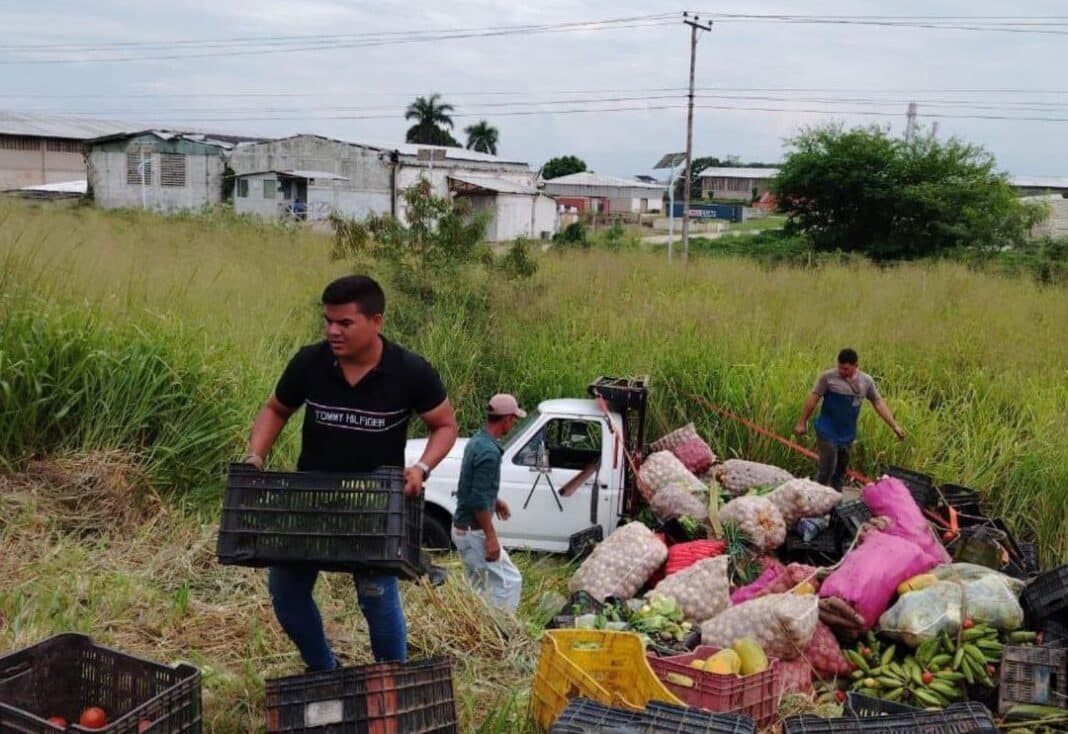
487, 565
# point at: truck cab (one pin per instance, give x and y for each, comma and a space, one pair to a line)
565, 473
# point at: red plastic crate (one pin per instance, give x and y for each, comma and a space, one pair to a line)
756, 696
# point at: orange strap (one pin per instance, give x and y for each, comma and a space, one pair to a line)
851, 473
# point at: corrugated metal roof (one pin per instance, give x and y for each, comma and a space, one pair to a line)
56, 126
492, 183
1040, 182
730, 172
456, 154
588, 178
411, 150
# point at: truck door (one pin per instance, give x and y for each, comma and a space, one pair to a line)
557, 482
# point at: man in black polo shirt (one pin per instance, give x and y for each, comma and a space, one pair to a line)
359, 391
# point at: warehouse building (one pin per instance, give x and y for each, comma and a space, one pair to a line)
161, 170
601, 194
311, 177
39, 149
738, 184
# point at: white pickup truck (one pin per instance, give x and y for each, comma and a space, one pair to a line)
564, 474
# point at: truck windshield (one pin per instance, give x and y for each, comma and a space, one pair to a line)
508, 440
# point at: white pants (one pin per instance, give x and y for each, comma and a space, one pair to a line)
499, 581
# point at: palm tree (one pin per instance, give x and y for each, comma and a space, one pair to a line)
482, 137
431, 121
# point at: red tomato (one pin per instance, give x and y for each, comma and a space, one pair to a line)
840, 696
58, 721
144, 725
927, 677
93, 718
968, 623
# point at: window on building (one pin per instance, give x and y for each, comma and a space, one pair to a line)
60, 145
270, 186
139, 167
172, 169
19, 142
242, 188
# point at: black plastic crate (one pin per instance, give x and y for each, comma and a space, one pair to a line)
867, 706
966, 502
824, 549
583, 716
960, 718
1047, 595
415, 697
1054, 632
847, 519
65, 674
667, 649
1033, 675
921, 486
335, 522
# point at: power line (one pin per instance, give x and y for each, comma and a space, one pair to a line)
910, 91
394, 39
633, 108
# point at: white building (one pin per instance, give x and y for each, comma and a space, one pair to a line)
312, 177
736, 183
605, 194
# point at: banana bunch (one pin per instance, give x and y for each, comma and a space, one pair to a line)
937, 673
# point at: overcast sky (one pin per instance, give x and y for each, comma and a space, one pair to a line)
636, 66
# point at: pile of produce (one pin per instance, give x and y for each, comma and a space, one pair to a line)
889, 617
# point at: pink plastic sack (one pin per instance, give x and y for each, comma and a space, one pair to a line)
869, 576
825, 654
889, 497
795, 676
695, 455
772, 570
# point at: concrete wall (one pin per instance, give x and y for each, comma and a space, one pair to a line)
28, 161
515, 215
254, 202
410, 173
1056, 224
719, 187
108, 181
366, 190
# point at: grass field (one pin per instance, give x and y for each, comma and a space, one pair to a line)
135, 350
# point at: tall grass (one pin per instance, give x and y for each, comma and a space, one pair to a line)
167, 334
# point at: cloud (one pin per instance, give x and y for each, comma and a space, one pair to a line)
537, 66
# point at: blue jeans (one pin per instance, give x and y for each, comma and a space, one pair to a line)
379, 598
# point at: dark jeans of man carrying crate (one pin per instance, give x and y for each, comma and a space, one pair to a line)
359, 392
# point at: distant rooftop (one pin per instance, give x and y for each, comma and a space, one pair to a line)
588, 178
1039, 182
56, 126
411, 150
733, 172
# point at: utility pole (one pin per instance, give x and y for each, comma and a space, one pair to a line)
910, 126
695, 25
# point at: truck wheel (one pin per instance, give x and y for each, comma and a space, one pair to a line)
436, 534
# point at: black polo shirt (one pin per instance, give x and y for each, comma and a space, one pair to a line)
357, 428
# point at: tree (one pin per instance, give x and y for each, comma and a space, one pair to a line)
432, 122
482, 137
863, 190
562, 166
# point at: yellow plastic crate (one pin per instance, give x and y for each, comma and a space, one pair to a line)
608, 667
